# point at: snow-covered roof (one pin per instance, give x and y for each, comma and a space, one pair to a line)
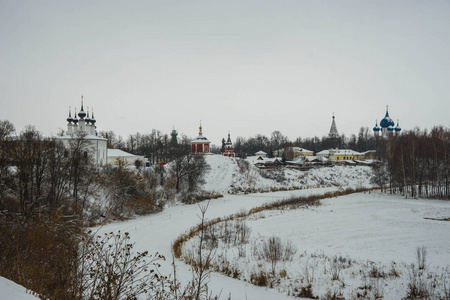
260, 152
318, 158
261, 160
370, 151
301, 150
119, 153
200, 139
339, 152
296, 150
349, 162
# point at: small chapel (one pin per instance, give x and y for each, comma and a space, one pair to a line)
200, 144
229, 148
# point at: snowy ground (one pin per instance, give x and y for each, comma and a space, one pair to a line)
227, 177
367, 231
12, 291
156, 233
363, 227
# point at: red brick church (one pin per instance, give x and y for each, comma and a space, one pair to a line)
200, 144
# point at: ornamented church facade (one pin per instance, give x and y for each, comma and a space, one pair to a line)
85, 128
229, 148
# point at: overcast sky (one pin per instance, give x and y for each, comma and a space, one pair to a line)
245, 66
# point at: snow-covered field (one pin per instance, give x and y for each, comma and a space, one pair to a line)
156, 233
372, 236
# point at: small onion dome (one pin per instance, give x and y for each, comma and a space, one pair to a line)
88, 120
229, 139
390, 128
376, 128
93, 119
75, 120
398, 128
81, 114
69, 119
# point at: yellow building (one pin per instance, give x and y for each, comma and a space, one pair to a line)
341, 155
297, 151
293, 152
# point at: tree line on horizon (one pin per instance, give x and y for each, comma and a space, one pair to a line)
154, 145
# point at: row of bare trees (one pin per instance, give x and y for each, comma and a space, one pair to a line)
156, 146
41, 172
416, 163
363, 141
184, 172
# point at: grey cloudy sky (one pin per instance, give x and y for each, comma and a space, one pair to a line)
246, 66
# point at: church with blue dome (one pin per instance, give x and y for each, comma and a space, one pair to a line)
387, 126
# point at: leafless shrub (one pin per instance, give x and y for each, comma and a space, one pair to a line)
259, 278
364, 288
227, 234
393, 272
108, 269
242, 231
446, 283
255, 249
304, 292
272, 251
375, 272
211, 238
333, 295
243, 165
201, 270
289, 250
309, 269
242, 250
377, 288
228, 269
335, 267
421, 255
419, 287
43, 243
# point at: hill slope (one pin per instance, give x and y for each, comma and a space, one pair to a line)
234, 175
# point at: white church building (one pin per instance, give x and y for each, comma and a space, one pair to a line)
85, 125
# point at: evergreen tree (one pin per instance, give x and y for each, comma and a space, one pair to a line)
223, 145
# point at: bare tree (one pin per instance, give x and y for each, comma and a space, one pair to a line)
6, 130
81, 167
